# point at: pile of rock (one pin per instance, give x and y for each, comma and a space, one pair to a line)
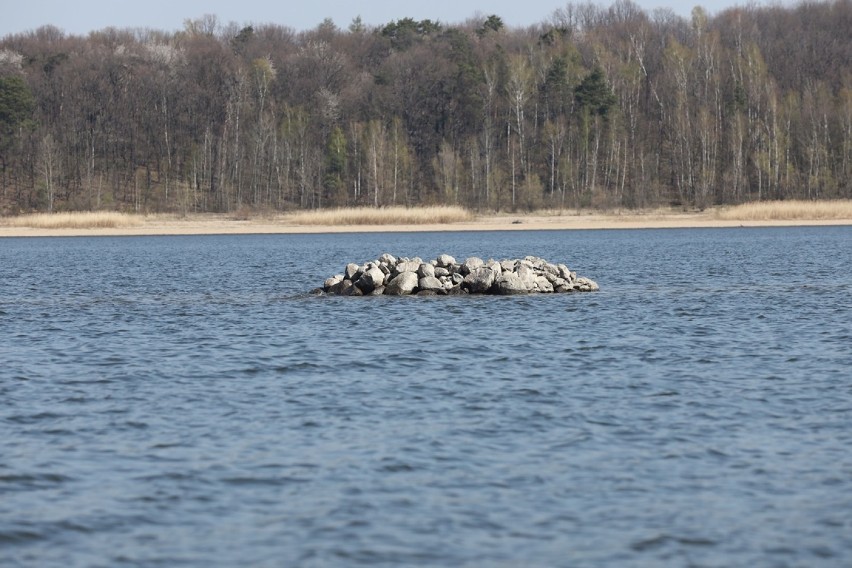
444, 276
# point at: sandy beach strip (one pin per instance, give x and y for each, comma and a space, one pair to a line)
211, 224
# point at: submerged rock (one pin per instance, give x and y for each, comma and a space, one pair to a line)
400, 276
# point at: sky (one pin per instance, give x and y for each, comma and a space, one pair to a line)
79, 17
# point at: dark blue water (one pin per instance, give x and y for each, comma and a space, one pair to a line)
179, 401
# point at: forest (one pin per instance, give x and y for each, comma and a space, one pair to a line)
594, 107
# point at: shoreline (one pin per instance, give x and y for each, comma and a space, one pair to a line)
221, 224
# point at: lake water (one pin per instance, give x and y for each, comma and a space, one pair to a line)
181, 401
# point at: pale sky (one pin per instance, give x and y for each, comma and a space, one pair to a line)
82, 16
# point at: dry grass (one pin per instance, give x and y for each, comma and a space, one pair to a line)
383, 216
788, 211
76, 220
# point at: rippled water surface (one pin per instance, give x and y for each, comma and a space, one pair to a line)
180, 401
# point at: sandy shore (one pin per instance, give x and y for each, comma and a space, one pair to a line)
224, 225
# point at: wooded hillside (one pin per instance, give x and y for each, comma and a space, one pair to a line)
594, 107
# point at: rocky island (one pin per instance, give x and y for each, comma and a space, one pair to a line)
389, 275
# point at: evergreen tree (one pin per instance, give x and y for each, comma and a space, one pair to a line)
594, 94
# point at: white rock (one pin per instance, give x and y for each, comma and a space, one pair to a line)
471, 264
372, 278
406, 266
445, 260
334, 280
527, 275
586, 285
351, 270
543, 285
403, 284
509, 284
425, 270
479, 281
430, 283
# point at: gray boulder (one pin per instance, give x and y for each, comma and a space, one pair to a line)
585, 285
406, 266
340, 288
510, 284
352, 291
527, 276
543, 285
333, 281
425, 270
371, 279
536, 261
445, 260
402, 285
479, 280
352, 270
471, 264
431, 283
